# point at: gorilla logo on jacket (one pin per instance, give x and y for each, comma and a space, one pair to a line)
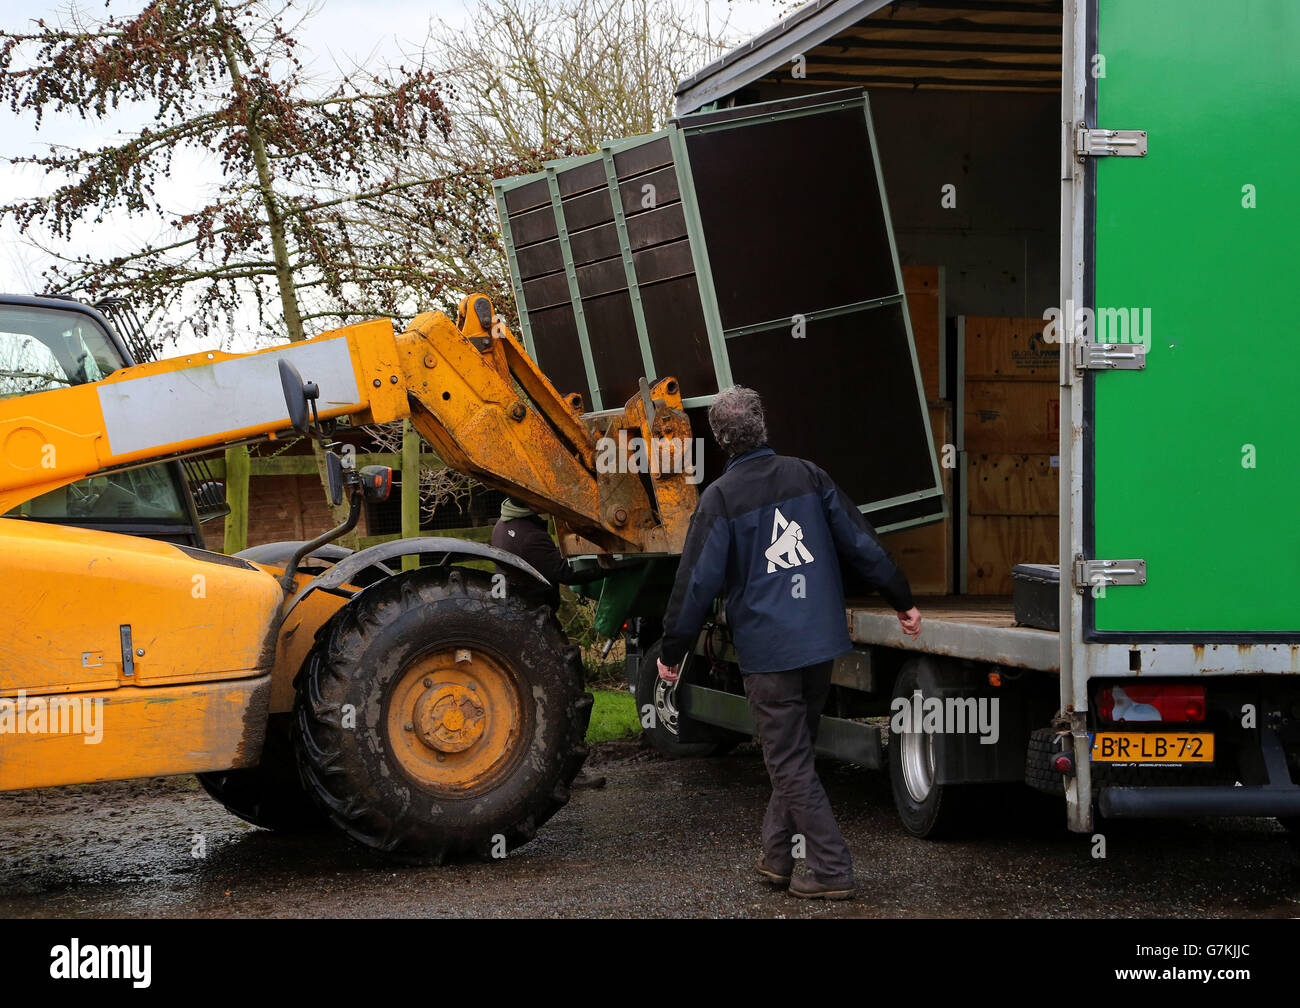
787, 549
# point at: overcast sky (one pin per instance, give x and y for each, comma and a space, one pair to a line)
343, 31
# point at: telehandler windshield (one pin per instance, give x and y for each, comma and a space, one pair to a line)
43, 349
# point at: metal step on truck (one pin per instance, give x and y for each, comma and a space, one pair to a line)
1014, 274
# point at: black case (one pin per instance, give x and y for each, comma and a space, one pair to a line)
1035, 595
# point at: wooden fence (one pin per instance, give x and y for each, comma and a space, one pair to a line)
239, 467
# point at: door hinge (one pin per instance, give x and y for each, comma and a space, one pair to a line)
1109, 143
1109, 356
1089, 574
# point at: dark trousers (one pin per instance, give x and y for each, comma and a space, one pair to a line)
787, 707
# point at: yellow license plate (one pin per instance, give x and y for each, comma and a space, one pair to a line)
1153, 747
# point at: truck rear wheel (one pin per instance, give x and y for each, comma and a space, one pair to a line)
435, 720
927, 809
656, 701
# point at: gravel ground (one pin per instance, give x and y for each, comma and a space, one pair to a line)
661, 839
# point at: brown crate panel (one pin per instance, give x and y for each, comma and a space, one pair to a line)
996, 543
533, 226
540, 259
1009, 348
558, 353
923, 309
715, 460
526, 197
615, 351
1012, 484
681, 349
820, 399
581, 178
656, 227
587, 210
792, 217
1012, 416
546, 292
594, 244
663, 262
643, 157
664, 225
633, 194
599, 278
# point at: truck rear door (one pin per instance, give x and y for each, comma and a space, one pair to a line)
1192, 463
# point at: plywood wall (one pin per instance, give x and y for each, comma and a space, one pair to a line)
923, 286
1012, 429
925, 554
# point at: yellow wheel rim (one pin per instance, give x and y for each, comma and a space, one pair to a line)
456, 720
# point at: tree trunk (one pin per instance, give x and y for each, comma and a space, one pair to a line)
279, 243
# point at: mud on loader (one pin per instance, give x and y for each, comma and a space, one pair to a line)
425, 713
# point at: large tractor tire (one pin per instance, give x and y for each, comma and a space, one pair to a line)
270, 794
434, 720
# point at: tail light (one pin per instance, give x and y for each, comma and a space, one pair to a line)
376, 482
1151, 702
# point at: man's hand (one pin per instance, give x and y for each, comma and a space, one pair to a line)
668, 673
910, 621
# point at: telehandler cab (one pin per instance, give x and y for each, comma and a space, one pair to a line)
424, 713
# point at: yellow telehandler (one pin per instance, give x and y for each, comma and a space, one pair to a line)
425, 713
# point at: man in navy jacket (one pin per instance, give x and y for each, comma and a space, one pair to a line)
772, 531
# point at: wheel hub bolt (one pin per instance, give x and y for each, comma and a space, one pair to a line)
450, 717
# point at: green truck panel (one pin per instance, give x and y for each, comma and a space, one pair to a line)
1197, 462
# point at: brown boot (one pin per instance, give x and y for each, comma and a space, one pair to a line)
773, 875
806, 886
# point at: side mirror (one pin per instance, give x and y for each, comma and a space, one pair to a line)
334, 474
299, 397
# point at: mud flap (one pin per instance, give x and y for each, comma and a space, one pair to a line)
965, 757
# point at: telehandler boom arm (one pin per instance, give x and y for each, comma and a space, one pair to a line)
470, 390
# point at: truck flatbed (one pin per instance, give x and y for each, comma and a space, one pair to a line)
976, 627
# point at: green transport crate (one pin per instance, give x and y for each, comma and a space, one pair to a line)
749, 246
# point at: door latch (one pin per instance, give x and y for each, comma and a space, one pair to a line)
1109, 143
1109, 356
1089, 574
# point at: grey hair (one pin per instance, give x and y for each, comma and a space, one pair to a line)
736, 418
